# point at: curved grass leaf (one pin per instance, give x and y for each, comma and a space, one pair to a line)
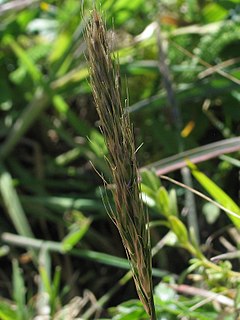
196, 155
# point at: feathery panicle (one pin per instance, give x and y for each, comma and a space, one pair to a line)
130, 217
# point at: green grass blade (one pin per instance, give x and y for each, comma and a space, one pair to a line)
45, 280
63, 203
78, 230
218, 194
99, 257
26, 60
55, 288
19, 291
13, 205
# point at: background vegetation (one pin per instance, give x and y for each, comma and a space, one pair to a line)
61, 256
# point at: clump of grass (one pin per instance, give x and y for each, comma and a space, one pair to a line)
129, 215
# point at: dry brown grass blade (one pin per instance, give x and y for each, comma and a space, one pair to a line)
129, 215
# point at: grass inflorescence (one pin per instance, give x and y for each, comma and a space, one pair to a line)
129, 215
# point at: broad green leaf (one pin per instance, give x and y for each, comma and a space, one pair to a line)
217, 193
214, 12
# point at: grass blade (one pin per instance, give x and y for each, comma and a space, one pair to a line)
13, 205
19, 291
196, 155
99, 257
217, 193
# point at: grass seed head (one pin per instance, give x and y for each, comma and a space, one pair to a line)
129, 215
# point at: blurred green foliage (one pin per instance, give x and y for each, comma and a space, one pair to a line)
52, 153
